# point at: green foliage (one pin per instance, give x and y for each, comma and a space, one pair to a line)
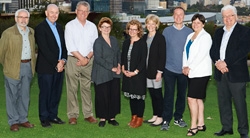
210, 28
117, 29
198, 7
247, 24
6, 23
162, 27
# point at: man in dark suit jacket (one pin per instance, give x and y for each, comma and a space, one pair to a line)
51, 59
229, 51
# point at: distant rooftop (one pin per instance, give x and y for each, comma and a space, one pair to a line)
169, 19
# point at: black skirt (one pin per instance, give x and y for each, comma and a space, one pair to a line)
197, 87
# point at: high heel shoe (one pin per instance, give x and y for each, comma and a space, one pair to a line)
202, 128
191, 132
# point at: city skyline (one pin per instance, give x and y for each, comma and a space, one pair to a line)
119, 6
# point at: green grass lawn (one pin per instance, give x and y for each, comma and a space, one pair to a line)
85, 130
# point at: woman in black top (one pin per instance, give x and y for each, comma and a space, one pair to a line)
133, 62
156, 60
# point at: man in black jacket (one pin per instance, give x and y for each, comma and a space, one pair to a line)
229, 51
51, 59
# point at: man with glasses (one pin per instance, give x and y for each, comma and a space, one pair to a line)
229, 52
17, 55
80, 35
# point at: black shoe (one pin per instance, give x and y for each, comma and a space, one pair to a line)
244, 136
191, 131
223, 132
102, 123
57, 121
202, 128
155, 124
45, 124
113, 122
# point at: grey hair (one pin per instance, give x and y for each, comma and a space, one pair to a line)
51, 5
229, 7
21, 10
83, 3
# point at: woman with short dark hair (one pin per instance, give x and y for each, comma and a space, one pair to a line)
197, 65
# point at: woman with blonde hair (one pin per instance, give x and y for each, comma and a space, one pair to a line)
133, 63
156, 60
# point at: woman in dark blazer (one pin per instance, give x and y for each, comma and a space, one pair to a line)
156, 60
106, 74
133, 62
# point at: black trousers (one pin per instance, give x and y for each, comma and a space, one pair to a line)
137, 107
236, 92
50, 86
107, 99
157, 101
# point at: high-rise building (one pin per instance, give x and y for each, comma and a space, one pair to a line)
192, 2
115, 6
26, 4
248, 2
163, 4
225, 2
3, 4
152, 4
21, 4
133, 6
112, 6
13, 6
100, 5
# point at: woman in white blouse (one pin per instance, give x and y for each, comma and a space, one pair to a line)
197, 65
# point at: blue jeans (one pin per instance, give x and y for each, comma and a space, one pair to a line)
170, 79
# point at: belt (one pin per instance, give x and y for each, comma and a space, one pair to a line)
25, 60
72, 56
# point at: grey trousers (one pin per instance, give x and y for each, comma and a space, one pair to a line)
232, 93
18, 95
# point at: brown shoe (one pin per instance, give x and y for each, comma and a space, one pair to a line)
14, 128
91, 119
138, 122
27, 125
133, 120
73, 121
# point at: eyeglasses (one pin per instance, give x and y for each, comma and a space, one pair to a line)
133, 30
105, 27
228, 16
22, 17
81, 11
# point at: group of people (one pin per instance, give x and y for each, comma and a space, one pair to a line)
180, 56
58, 51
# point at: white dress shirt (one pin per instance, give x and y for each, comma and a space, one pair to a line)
224, 41
80, 38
